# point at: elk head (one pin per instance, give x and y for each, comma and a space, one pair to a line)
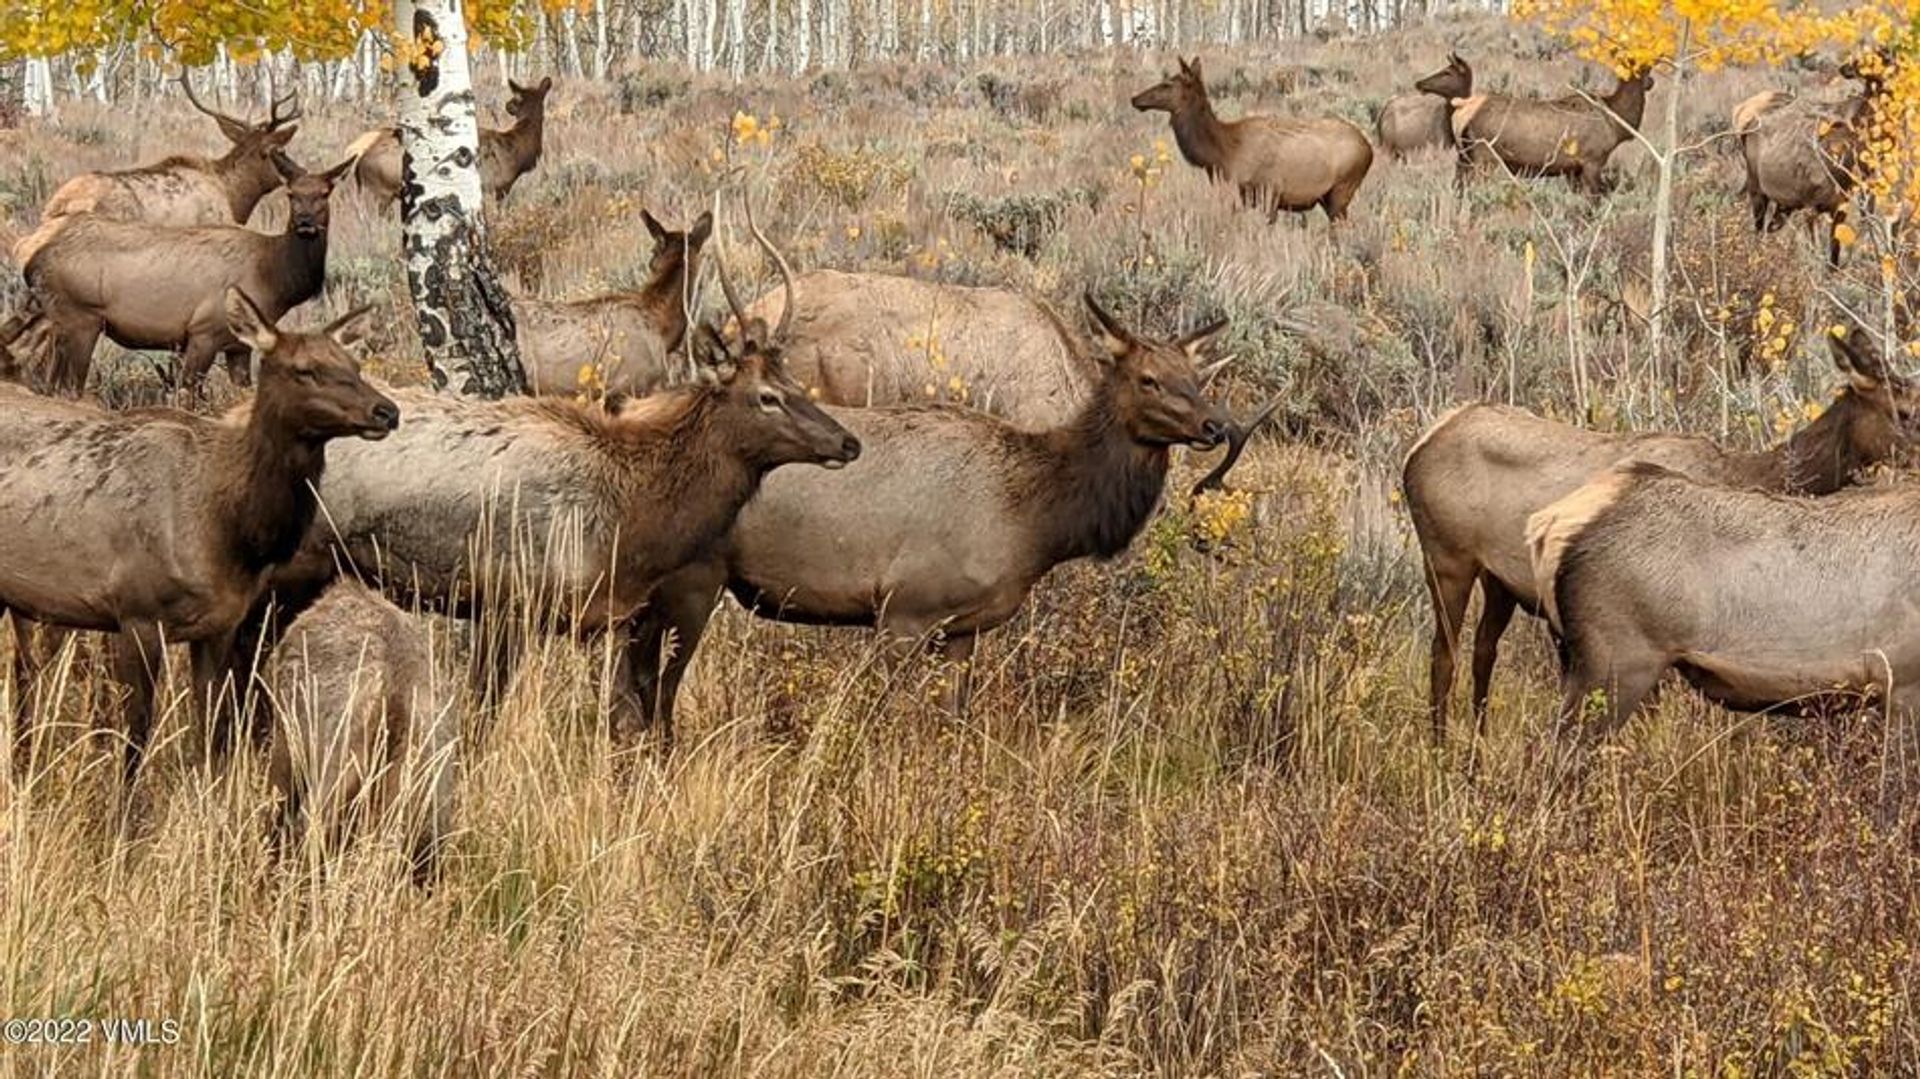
253, 144
528, 102
1176, 92
1157, 386
1454, 80
1890, 397
308, 195
672, 250
310, 380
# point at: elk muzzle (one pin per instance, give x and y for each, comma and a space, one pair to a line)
382, 419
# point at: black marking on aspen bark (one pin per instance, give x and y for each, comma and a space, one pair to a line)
426, 77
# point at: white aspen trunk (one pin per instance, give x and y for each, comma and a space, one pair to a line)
570, 29
709, 31
39, 88
803, 36
737, 38
466, 321
1663, 203
924, 48
602, 40
770, 47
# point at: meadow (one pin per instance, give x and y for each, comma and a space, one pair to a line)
1192, 823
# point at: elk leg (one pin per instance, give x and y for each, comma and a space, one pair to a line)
24, 673
1497, 603
196, 360
73, 346
213, 690
1450, 592
497, 648
1624, 677
1833, 239
665, 639
139, 657
958, 648
239, 367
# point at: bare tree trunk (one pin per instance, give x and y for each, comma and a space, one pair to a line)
803, 36
466, 322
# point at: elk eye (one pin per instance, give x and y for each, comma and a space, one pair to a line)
1149, 383
769, 400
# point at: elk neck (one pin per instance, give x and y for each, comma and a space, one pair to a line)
300, 271
245, 186
524, 138
664, 303
1628, 102
1825, 455
1091, 483
689, 459
265, 500
1203, 140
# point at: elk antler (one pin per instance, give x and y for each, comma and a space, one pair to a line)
786, 274
733, 298
1238, 435
187, 85
274, 117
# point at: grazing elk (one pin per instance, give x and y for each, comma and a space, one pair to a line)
867, 339
948, 519
618, 342
505, 156
364, 729
1277, 163
161, 525
154, 287
184, 191
1760, 601
1474, 478
1799, 159
1571, 136
1422, 120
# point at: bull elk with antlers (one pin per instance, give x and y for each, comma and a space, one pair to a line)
182, 191
156, 287
948, 519
1474, 478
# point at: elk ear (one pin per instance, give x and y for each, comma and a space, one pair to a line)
285, 166
248, 324
234, 130
280, 136
1855, 356
516, 87
1193, 68
702, 228
546, 84
337, 173
1197, 341
654, 227
351, 328
1113, 336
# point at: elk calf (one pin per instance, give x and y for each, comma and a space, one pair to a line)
505, 156
1276, 163
1475, 477
184, 191
364, 731
1570, 136
161, 525
948, 519
1422, 120
153, 287
617, 343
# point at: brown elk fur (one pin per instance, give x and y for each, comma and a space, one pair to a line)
1569, 136
153, 287
947, 521
867, 339
364, 729
1276, 163
182, 191
161, 525
1761, 601
1803, 159
505, 155
625, 338
1409, 123
1472, 481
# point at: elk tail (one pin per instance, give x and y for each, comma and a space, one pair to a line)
1551, 531
1238, 434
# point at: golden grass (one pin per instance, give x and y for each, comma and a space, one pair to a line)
1191, 825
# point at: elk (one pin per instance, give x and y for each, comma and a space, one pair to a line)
1569, 136
1800, 159
1476, 475
867, 339
1760, 601
618, 342
505, 156
948, 519
160, 525
185, 191
1276, 163
154, 287
364, 730
1421, 120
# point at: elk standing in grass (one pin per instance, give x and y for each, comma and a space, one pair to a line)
1472, 481
1410, 123
947, 521
505, 156
1276, 163
184, 191
1571, 136
1760, 601
153, 287
1797, 159
364, 728
617, 343
161, 525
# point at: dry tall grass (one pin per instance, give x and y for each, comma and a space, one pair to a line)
1192, 825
